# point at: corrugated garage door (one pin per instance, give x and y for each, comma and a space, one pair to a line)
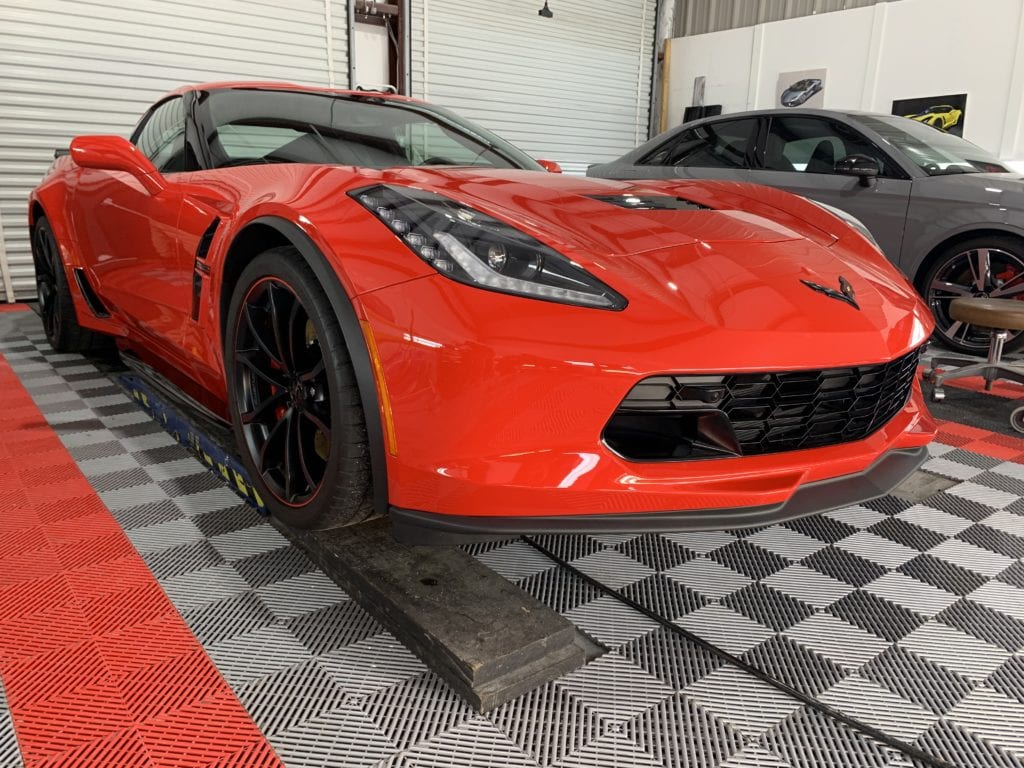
70, 67
573, 88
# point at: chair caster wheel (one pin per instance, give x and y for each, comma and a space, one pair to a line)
938, 395
1017, 419
929, 376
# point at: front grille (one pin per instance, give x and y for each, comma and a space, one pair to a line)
748, 414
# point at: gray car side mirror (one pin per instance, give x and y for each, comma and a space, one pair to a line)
862, 166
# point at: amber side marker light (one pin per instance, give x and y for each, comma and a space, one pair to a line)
382, 389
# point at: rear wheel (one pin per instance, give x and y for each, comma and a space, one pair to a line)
295, 406
56, 307
985, 266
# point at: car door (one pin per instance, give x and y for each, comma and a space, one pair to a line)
722, 149
799, 154
129, 237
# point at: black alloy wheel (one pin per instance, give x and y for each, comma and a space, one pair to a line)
282, 393
293, 397
991, 268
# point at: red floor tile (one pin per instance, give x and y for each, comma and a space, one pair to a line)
98, 666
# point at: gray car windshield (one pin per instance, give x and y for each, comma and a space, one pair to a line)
936, 152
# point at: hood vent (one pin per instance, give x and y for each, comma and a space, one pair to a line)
651, 202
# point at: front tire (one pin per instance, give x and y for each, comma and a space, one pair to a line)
295, 406
985, 266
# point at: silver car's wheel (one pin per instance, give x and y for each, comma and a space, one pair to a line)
990, 268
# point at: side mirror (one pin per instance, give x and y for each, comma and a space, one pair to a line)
112, 153
550, 166
863, 167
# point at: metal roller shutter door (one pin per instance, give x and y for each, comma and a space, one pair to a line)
71, 67
574, 88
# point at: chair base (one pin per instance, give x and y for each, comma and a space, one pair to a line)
992, 369
966, 367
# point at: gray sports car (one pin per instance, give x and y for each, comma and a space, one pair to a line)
946, 212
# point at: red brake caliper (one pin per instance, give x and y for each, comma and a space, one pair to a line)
1006, 276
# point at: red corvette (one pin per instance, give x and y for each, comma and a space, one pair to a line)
401, 313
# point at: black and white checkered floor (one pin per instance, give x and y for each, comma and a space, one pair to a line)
907, 616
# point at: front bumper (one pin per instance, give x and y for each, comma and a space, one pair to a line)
886, 473
495, 408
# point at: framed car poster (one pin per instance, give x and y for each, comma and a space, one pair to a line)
946, 113
805, 88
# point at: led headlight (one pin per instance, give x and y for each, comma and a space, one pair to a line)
473, 248
850, 219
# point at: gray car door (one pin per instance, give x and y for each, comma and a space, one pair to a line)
720, 150
799, 155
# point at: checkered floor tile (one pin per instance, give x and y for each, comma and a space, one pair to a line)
908, 616
10, 755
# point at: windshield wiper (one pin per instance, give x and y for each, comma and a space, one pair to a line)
326, 145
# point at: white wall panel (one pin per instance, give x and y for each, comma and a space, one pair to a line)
726, 77
372, 55
874, 55
835, 41
574, 88
72, 67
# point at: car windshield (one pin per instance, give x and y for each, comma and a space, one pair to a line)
800, 84
936, 152
253, 126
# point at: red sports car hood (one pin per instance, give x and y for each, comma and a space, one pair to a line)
715, 267
565, 210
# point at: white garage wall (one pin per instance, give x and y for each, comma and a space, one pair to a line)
843, 38
725, 66
71, 67
873, 56
574, 88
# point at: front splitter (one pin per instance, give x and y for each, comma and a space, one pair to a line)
887, 472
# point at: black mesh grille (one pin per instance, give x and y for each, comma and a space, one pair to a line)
786, 411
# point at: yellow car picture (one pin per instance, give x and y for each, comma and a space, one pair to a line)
942, 116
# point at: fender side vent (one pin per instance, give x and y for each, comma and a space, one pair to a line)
96, 305
197, 292
200, 267
206, 239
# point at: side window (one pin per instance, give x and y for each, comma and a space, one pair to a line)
712, 145
161, 138
814, 145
